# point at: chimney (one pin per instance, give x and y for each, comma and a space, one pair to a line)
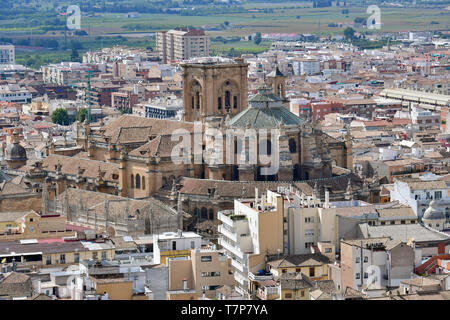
185, 287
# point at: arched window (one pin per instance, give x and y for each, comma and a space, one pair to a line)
211, 214
235, 102
143, 183
292, 145
138, 181
204, 213
196, 213
193, 102
219, 103
132, 181
197, 95
227, 98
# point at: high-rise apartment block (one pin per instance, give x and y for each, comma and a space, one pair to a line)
7, 54
185, 44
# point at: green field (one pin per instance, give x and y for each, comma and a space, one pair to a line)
108, 29
301, 20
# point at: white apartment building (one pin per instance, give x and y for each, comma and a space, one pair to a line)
248, 233
418, 194
64, 73
424, 119
167, 243
306, 67
177, 45
15, 93
7, 54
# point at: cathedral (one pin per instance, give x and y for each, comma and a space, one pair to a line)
132, 157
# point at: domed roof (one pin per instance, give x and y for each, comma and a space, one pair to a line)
15, 152
265, 111
433, 212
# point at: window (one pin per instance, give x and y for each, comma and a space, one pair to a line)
62, 258
311, 272
438, 194
219, 103
132, 181
174, 245
206, 258
235, 102
302, 293
357, 260
297, 270
138, 181
197, 95
103, 255
288, 295
292, 146
309, 232
48, 261
403, 222
308, 244
227, 99
94, 255
366, 275
283, 270
358, 276
76, 257
328, 250
143, 183
309, 220
366, 259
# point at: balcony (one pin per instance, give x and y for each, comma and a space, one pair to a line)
239, 266
231, 248
260, 277
224, 231
225, 217
242, 280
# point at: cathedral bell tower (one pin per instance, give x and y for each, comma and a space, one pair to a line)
214, 86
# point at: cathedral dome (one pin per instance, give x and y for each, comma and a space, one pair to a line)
265, 111
433, 212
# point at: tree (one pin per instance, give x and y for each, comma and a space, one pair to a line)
74, 56
82, 114
349, 33
257, 38
60, 116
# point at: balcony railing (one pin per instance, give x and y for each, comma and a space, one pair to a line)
257, 277
227, 233
230, 247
